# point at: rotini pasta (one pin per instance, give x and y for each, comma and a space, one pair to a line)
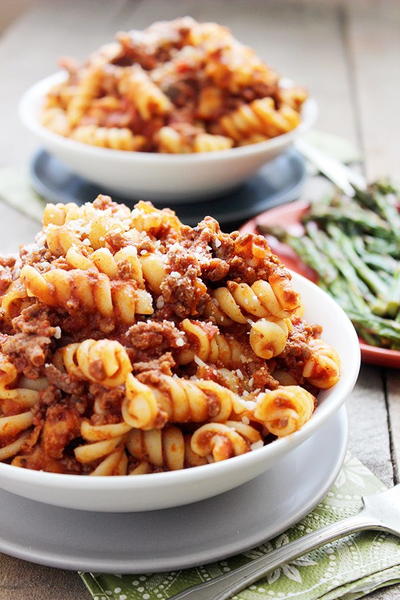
94, 291
13, 300
322, 369
219, 441
56, 120
131, 344
125, 262
273, 299
16, 416
261, 118
147, 218
284, 410
101, 361
268, 338
87, 89
117, 138
176, 400
210, 347
172, 141
136, 85
163, 448
176, 87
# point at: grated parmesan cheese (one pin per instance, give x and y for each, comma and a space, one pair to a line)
246, 420
180, 342
250, 404
160, 302
257, 445
199, 362
57, 332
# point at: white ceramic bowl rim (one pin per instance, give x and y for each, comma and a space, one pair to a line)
325, 409
33, 98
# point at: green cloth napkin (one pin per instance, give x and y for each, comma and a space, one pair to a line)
349, 568
15, 190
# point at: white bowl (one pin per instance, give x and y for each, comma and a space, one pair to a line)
175, 488
155, 176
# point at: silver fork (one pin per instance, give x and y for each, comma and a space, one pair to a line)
380, 512
343, 177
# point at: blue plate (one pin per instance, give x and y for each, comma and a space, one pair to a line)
277, 182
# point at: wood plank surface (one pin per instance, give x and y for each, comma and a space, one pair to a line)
346, 53
373, 43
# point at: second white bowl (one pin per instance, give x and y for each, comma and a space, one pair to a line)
155, 176
175, 488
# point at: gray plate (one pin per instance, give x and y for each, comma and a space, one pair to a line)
277, 182
181, 537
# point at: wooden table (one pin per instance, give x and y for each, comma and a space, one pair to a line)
348, 55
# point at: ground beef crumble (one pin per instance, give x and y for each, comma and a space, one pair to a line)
6, 272
164, 364
61, 425
27, 352
35, 320
183, 289
297, 349
67, 383
150, 339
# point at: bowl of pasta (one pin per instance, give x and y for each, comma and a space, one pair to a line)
179, 111
145, 364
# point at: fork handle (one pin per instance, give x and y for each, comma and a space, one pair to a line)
229, 584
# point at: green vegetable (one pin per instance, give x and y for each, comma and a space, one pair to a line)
354, 247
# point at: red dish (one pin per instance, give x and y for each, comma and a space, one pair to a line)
290, 216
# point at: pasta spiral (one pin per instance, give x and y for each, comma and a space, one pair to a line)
171, 141
116, 138
61, 238
91, 291
259, 117
17, 428
23, 396
224, 440
322, 369
268, 338
274, 299
56, 121
205, 142
143, 93
162, 448
14, 428
176, 400
59, 214
145, 217
102, 361
11, 302
217, 348
104, 448
115, 464
284, 410
105, 262
87, 89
